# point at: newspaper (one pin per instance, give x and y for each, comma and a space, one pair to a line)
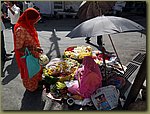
106, 98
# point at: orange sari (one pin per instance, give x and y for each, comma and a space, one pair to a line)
25, 35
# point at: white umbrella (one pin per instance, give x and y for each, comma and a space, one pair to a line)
102, 25
105, 25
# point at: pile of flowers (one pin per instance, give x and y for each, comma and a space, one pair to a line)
56, 72
98, 57
61, 67
78, 52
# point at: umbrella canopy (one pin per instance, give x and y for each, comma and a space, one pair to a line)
102, 25
91, 9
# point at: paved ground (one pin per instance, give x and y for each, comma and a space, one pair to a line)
15, 97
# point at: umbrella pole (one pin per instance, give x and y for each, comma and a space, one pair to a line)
103, 51
116, 52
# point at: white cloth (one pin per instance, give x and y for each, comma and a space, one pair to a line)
14, 18
2, 26
82, 102
86, 101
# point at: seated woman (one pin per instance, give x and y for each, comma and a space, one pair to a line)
89, 77
25, 36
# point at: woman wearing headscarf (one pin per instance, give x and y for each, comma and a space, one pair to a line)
89, 78
25, 36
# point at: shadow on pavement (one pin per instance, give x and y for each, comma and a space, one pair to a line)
12, 71
32, 101
65, 24
2, 68
98, 47
59, 24
54, 45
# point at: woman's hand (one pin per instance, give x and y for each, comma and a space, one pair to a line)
38, 49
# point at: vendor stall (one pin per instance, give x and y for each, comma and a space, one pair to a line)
62, 81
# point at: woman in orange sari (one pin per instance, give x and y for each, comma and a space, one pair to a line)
25, 36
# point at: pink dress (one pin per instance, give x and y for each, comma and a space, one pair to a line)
89, 77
